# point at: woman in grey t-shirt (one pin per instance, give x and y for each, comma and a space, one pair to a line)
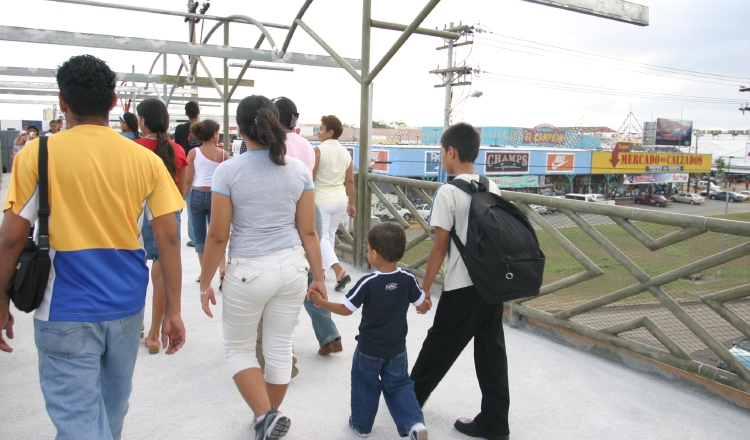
265, 199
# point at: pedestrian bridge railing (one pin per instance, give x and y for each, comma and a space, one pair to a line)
673, 288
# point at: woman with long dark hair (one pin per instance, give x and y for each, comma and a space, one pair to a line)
202, 163
153, 120
264, 207
129, 126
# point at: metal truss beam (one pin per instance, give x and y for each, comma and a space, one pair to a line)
165, 12
26, 35
134, 77
618, 10
126, 95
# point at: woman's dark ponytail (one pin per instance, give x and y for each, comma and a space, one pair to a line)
165, 151
156, 119
258, 120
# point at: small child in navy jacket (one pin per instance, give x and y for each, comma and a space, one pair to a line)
380, 357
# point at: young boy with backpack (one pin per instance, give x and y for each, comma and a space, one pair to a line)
462, 313
380, 361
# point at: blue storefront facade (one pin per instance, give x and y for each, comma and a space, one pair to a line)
511, 167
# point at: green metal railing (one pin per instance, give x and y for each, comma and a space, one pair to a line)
655, 283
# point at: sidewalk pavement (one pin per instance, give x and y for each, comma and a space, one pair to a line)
557, 392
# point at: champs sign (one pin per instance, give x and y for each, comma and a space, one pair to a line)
511, 162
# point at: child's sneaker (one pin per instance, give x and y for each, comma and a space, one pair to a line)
418, 432
351, 425
274, 425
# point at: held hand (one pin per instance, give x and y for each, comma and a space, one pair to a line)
6, 323
351, 210
208, 296
172, 332
318, 287
424, 307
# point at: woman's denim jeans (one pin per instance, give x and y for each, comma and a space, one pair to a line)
200, 205
371, 375
86, 374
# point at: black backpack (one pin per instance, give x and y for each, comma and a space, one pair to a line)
501, 252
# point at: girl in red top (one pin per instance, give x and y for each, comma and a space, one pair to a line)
153, 121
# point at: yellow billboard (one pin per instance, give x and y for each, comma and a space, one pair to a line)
622, 162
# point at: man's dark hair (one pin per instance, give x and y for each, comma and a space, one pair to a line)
389, 240
87, 84
464, 138
192, 110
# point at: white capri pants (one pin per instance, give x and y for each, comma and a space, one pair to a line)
272, 286
331, 216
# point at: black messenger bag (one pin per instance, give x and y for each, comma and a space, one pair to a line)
27, 286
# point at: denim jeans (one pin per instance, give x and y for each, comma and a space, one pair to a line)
325, 329
189, 216
149, 241
200, 205
371, 375
86, 373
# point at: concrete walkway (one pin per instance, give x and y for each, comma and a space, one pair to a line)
557, 392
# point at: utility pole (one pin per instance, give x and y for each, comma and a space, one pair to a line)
453, 76
745, 107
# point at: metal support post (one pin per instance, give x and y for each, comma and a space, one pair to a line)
362, 221
227, 143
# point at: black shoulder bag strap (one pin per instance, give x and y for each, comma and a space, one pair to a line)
44, 211
469, 188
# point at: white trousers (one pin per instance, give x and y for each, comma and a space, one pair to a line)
272, 286
332, 216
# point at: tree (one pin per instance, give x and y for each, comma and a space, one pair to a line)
721, 165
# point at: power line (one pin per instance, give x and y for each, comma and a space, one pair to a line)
619, 68
523, 78
609, 92
646, 65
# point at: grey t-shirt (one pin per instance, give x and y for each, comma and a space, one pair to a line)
264, 197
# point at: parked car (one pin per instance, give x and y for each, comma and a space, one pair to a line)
733, 197
653, 199
708, 193
542, 210
424, 210
741, 351
745, 193
385, 215
693, 199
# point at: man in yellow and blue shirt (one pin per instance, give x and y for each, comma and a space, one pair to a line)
101, 186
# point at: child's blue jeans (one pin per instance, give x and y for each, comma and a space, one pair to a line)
370, 376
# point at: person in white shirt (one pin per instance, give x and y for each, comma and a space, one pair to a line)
333, 168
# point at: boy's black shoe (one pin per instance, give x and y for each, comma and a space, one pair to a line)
468, 427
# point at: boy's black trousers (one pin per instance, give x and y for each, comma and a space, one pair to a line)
461, 315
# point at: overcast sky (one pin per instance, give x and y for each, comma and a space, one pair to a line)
695, 40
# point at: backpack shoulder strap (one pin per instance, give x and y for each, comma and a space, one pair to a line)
44, 211
469, 189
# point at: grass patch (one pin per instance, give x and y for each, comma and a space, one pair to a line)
561, 264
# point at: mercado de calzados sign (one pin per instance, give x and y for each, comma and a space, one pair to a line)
621, 162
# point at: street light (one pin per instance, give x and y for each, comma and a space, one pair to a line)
726, 208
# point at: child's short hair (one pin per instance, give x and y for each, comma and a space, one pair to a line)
464, 138
388, 240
